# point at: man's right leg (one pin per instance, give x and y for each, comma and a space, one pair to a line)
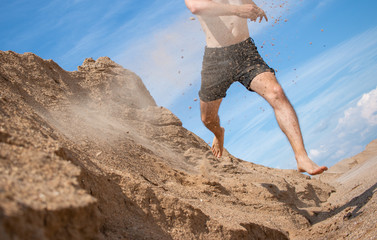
210, 118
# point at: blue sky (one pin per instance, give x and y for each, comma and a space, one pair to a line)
325, 53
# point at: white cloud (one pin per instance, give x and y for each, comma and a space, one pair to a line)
354, 129
359, 117
368, 107
315, 153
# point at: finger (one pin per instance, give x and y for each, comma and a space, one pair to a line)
252, 18
265, 16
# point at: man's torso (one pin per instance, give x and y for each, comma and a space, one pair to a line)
223, 31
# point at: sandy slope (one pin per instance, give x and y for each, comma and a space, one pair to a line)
352, 212
89, 155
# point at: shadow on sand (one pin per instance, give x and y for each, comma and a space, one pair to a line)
357, 203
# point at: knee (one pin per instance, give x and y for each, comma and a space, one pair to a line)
278, 92
276, 95
208, 120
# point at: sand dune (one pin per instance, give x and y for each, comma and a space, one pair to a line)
89, 155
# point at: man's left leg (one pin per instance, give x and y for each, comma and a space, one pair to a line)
266, 85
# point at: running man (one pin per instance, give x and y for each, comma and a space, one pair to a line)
231, 55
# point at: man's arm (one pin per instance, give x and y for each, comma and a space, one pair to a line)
211, 8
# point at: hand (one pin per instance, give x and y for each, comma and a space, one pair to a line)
252, 12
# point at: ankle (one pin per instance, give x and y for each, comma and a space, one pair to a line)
302, 157
219, 132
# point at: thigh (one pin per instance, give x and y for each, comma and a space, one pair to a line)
265, 84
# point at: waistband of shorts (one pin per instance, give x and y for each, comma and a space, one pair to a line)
230, 48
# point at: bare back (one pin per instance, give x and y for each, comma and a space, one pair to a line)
223, 31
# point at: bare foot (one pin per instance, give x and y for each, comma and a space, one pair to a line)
218, 145
307, 165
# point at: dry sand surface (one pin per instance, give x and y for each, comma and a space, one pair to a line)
89, 155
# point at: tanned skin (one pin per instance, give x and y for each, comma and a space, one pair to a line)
224, 23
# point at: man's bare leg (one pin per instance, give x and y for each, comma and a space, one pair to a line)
210, 118
266, 85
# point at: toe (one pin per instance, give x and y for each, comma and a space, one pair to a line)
318, 170
214, 152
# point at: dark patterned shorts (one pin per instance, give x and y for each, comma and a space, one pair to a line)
221, 67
